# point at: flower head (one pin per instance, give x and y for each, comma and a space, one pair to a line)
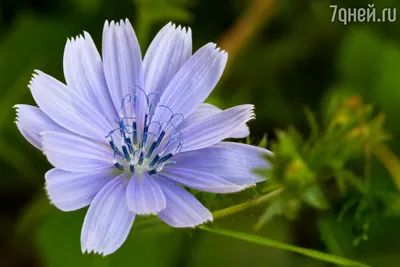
125, 134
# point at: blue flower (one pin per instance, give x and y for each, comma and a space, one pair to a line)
125, 134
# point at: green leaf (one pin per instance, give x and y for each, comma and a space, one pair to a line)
275, 244
315, 198
313, 124
273, 210
263, 142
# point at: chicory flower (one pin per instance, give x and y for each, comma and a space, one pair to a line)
125, 134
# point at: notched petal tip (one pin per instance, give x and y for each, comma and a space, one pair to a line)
128, 22
217, 52
94, 252
87, 35
188, 31
17, 107
36, 75
37, 72
197, 224
252, 114
206, 220
211, 46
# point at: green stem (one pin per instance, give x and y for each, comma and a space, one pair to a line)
276, 244
221, 213
246, 205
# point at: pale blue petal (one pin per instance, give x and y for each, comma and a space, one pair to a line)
75, 154
215, 128
31, 121
108, 220
199, 180
241, 132
193, 82
206, 110
74, 190
122, 62
167, 53
67, 108
232, 161
144, 195
83, 71
183, 209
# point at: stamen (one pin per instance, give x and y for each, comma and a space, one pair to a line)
129, 144
132, 167
134, 134
121, 126
141, 158
165, 158
123, 100
118, 166
179, 147
145, 130
155, 144
126, 153
178, 114
135, 97
152, 172
112, 144
170, 110
154, 161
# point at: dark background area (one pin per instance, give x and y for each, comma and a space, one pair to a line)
293, 56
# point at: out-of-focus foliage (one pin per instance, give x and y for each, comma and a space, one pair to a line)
312, 170
336, 174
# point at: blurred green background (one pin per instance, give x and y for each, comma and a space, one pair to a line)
284, 55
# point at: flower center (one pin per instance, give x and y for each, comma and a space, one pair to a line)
148, 150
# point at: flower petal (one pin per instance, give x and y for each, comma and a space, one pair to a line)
144, 195
122, 62
215, 128
75, 154
67, 108
183, 209
74, 190
232, 161
83, 71
31, 121
168, 51
241, 132
193, 82
199, 180
108, 221
206, 110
